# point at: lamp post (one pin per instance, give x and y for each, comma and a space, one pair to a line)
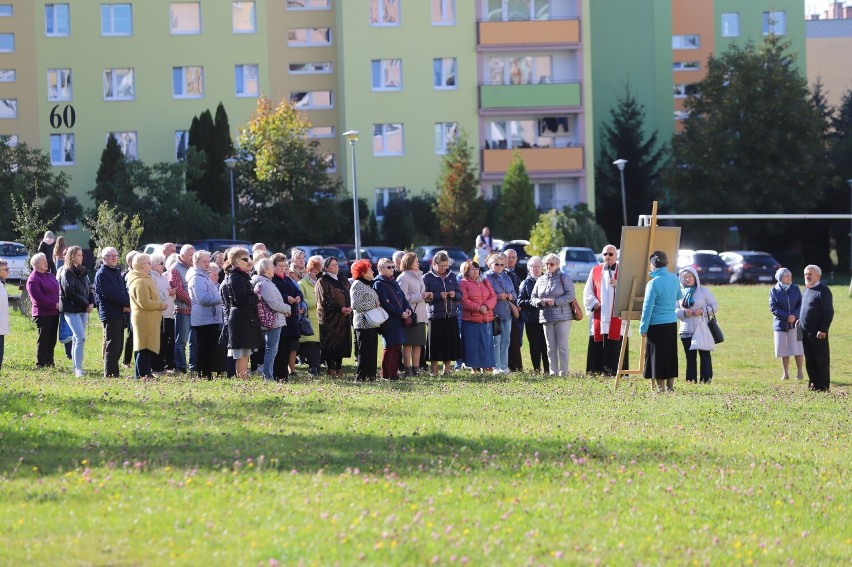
352, 137
231, 162
620, 163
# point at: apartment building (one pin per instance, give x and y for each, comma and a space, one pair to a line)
829, 51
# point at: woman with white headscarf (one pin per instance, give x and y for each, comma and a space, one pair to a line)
785, 303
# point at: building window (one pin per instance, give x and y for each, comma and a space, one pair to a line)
188, 82
308, 100
387, 140
119, 84
116, 19
444, 73
56, 20
547, 132
516, 70
445, 133
775, 23
443, 12
685, 90
246, 81
127, 143
181, 144
384, 12
321, 132
543, 195
244, 17
387, 74
8, 108
686, 65
11, 140
6, 10
8, 75
62, 150
730, 24
686, 41
185, 18
320, 68
308, 37
308, 4
384, 195
7, 42
517, 10
58, 84
681, 115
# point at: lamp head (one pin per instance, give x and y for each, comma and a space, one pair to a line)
231, 162
352, 136
620, 164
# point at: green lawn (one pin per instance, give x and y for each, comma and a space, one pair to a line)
507, 471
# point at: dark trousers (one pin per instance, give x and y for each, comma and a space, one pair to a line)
817, 363
537, 346
207, 339
366, 349
2, 349
310, 352
334, 362
515, 363
256, 360
166, 359
48, 333
390, 362
143, 362
286, 345
692, 362
602, 356
113, 344
128, 345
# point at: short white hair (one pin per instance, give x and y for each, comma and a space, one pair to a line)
107, 251
37, 258
199, 254
815, 268
397, 256
552, 258
535, 260
186, 248
140, 259
262, 265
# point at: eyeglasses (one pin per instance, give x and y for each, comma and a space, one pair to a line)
111, 256
245, 259
551, 263
499, 265
609, 253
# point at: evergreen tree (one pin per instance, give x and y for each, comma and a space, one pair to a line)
582, 230
624, 138
840, 153
516, 210
110, 181
459, 206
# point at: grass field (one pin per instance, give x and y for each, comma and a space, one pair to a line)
466, 470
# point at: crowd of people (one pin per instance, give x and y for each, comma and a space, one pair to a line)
240, 312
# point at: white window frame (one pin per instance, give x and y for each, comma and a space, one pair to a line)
245, 70
10, 49
443, 74
236, 16
686, 42
8, 75
308, 40
172, 29
775, 22
308, 5
55, 31
317, 132
111, 81
111, 16
65, 141
128, 142
445, 132
312, 68
445, 11
384, 152
385, 195
311, 104
726, 24
532, 15
509, 133
384, 67
8, 108
686, 66
378, 18
63, 81
183, 91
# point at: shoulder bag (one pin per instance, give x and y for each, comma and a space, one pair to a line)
375, 317
305, 327
713, 325
268, 317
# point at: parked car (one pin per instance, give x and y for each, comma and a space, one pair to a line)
518, 247
750, 266
325, 252
577, 262
214, 244
17, 257
373, 254
426, 253
711, 268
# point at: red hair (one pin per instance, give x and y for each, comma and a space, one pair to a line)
360, 268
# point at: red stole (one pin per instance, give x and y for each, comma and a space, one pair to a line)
614, 322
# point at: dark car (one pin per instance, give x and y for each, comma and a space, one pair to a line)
749, 266
325, 252
711, 268
518, 246
426, 253
373, 254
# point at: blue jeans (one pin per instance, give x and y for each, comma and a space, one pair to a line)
271, 338
143, 362
501, 345
78, 323
183, 328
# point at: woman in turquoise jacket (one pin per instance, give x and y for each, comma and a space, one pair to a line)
658, 324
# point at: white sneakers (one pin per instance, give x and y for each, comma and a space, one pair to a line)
78, 373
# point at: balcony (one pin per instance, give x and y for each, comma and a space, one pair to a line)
528, 33
536, 160
537, 95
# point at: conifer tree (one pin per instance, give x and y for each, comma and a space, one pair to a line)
516, 210
460, 206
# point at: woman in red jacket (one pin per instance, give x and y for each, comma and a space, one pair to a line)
478, 301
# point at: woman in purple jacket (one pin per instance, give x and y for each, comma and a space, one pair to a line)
43, 289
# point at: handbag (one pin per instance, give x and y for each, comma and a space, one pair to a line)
515, 311
268, 317
713, 325
65, 333
496, 329
305, 327
576, 310
409, 321
375, 317
702, 339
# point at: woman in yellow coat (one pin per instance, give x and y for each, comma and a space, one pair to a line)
146, 314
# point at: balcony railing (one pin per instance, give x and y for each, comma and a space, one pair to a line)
536, 160
530, 32
530, 95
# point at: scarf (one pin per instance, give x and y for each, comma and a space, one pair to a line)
688, 299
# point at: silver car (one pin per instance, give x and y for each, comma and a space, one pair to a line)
577, 262
17, 256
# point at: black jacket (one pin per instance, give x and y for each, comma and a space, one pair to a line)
111, 292
75, 292
239, 303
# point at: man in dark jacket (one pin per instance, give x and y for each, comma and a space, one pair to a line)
113, 304
815, 319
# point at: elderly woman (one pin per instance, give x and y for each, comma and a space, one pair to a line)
502, 285
658, 323
553, 293
146, 310
392, 300
206, 315
364, 299
166, 358
444, 341
696, 304
534, 327
411, 283
297, 264
334, 310
478, 302
4, 307
43, 289
78, 300
309, 345
785, 303
288, 346
270, 294
240, 310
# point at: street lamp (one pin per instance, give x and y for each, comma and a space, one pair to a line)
620, 163
231, 162
352, 137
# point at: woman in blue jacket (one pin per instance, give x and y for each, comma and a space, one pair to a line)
658, 324
785, 302
393, 301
